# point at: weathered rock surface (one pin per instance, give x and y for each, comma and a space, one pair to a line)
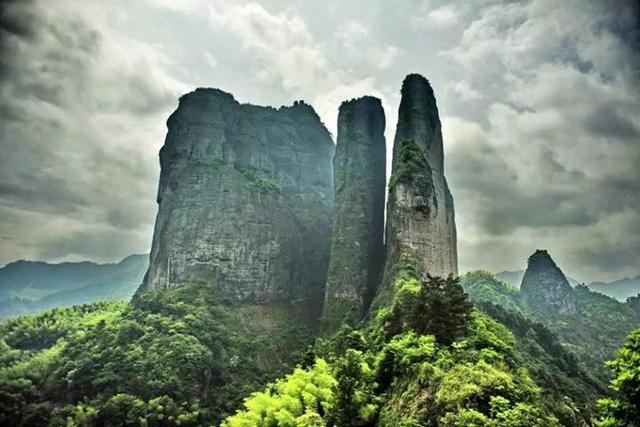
544, 287
245, 200
420, 212
357, 247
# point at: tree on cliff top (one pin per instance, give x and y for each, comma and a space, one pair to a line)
437, 306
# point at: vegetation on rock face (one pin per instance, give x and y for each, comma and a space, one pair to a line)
623, 409
258, 179
411, 166
182, 357
395, 372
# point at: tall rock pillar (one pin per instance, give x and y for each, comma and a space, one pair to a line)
420, 213
357, 248
244, 201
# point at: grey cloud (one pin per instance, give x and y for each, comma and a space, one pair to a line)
542, 151
99, 243
608, 122
16, 23
77, 151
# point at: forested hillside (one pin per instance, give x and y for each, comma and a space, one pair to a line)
185, 358
593, 332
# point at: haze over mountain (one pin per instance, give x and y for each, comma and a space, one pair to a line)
586, 322
618, 289
31, 286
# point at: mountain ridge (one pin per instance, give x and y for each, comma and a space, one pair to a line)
27, 287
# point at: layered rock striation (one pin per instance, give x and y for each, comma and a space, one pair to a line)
357, 247
544, 286
245, 200
420, 211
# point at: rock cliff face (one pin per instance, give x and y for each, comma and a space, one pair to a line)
357, 248
544, 287
420, 213
245, 200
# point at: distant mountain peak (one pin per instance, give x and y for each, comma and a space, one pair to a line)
545, 287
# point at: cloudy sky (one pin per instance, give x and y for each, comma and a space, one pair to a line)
539, 99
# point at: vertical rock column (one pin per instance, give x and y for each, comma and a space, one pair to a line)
420, 213
357, 248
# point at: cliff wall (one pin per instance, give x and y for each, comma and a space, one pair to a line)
244, 201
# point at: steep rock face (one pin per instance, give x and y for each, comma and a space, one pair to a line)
245, 200
420, 212
544, 287
357, 248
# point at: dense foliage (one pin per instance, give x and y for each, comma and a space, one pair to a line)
178, 357
594, 332
623, 409
396, 372
436, 307
427, 358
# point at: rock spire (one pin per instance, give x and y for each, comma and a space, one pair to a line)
357, 248
544, 286
420, 212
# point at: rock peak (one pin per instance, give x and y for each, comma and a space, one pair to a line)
207, 93
414, 80
540, 253
544, 286
420, 211
417, 93
361, 120
363, 100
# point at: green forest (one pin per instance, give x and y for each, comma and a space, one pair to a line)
429, 358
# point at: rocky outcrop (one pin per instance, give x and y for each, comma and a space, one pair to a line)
545, 288
357, 247
245, 200
420, 213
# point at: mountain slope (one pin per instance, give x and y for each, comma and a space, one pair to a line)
593, 331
